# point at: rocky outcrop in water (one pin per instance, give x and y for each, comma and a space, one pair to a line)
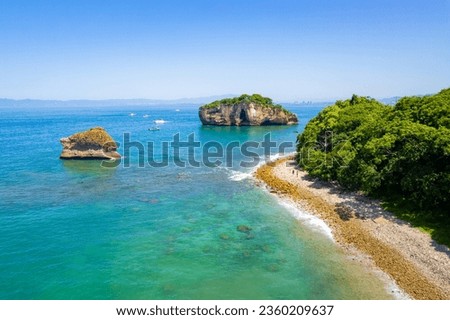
94, 143
246, 110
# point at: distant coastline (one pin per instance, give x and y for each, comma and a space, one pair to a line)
418, 265
136, 102
107, 102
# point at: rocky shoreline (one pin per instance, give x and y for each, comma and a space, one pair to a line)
418, 265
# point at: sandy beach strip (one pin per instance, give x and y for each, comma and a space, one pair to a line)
416, 263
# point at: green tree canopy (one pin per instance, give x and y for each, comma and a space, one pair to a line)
383, 150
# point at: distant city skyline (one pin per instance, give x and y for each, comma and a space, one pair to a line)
288, 50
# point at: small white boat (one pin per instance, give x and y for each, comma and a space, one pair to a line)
132, 114
159, 121
145, 116
153, 129
177, 110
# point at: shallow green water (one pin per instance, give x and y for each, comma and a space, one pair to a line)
75, 230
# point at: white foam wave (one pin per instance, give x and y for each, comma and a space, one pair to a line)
397, 292
308, 219
271, 158
276, 156
315, 223
239, 176
235, 175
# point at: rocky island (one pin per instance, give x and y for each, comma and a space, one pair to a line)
246, 110
94, 143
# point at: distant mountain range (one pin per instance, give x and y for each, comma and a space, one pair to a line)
390, 101
135, 102
107, 102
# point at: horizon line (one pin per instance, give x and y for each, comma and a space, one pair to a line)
295, 100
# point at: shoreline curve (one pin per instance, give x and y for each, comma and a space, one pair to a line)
416, 264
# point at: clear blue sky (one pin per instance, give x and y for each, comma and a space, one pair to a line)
288, 50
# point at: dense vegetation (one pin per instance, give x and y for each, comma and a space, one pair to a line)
245, 98
399, 153
94, 136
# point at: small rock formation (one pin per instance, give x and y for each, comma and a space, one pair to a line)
224, 236
94, 143
246, 110
243, 228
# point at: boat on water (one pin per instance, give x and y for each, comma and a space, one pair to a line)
132, 114
145, 116
153, 129
160, 121
177, 110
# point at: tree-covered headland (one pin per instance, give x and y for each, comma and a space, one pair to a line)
245, 98
398, 153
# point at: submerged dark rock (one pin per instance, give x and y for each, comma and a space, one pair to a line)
243, 228
224, 236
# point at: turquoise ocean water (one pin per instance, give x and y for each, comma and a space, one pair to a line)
75, 230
